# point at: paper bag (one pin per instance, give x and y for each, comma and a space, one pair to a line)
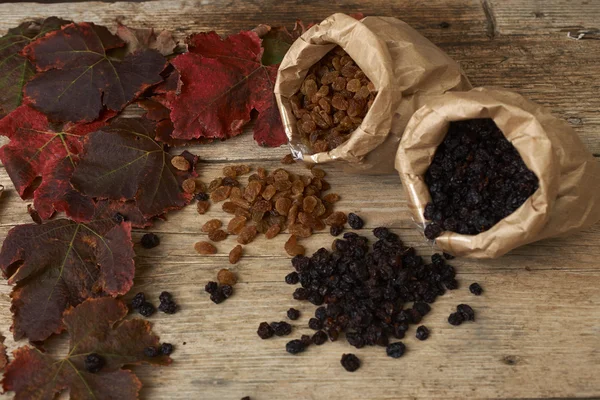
403, 65
568, 197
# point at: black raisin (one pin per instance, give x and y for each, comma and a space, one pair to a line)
146, 309
306, 339
476, 289
355, 221
211, 287
321, 313
315, 324
295, 346
166, 349
202, 196
319, 338
168, 307
422, 308
217, 297
226, 291
281, 328
300, 294
151, 351
350, 362
455, 319
165, 297
466, 311
293, 314
292, 278
138, 300
93, 362
265, 331
432, 231
336, 230
395, 350
150, 240
118, 218
422, 332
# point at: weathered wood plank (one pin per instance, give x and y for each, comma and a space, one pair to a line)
538, 321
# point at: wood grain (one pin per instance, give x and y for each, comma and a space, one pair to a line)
537, 332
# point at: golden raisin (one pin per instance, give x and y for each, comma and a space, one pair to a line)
252, 190
226, 277
202, 206
261, 172
269, 192
247, 234
205, 248
211, 225
214, 184
272, 231
189, 185
299, 230
298, 187
331, 198
230, 207
262, 205
220, 194
230, 171
180, 163
236, 225
235, 254
242, 169
287, 159
309, 203
293, 248
336, 218
217, 235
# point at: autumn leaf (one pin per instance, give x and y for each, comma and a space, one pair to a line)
60, 264
81, 71
221, 82
94, 326
41, 150
16, 70
146, 38
123, 162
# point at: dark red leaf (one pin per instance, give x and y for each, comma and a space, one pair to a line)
16, 70
79, 74
95, 326
39, 150
60, 264
123, 162
221, 82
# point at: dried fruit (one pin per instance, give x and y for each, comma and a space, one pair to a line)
247, 234
395, 350
476, 289
180, 163
455, 319
211, 287
287, 159
350, 362
149, 241
235, 254
355, 221
336, 218
422, 332
205, 248
265, 331
96, 327
466, 311
202, 206
281, 328
336, 230
146, 309
319, 338
211, 225
293, 314
293, 248
219, 194
226, 277
476, 178
236, 225
138, 300
166, 349
217, 235
226, 291
295, 346
292, 278
189, 185
272, 231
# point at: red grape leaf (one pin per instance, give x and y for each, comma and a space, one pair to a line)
39, 150
79, 73
94, 326
60, 264
16, 70
3, 356
144, 38
123, 162
221, 82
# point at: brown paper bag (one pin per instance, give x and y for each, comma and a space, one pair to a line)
568, 197
403, 65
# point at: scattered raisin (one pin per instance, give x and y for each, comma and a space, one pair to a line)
202, 206
292, 278
355, 221
281, 328
217, 235
293, 314
117, 218
466, 311
146, 309
319, 338
265, 331
226, 291
235, 254
476, 289
211, 225
455, 318
168, 307
138, 300
295, 346
350, 362
150, 240
226, 277
151, 351
247, 234
166, 349
315, 324
205, 248
93, 362
422, 332
336, 230
189, 185
395, 350
180, 163
272, 231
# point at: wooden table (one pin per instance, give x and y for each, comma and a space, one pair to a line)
538, 324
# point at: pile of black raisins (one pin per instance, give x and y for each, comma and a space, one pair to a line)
363, 291
476, 178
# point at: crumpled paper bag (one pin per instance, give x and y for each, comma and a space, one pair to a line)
568, 197
404, 66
